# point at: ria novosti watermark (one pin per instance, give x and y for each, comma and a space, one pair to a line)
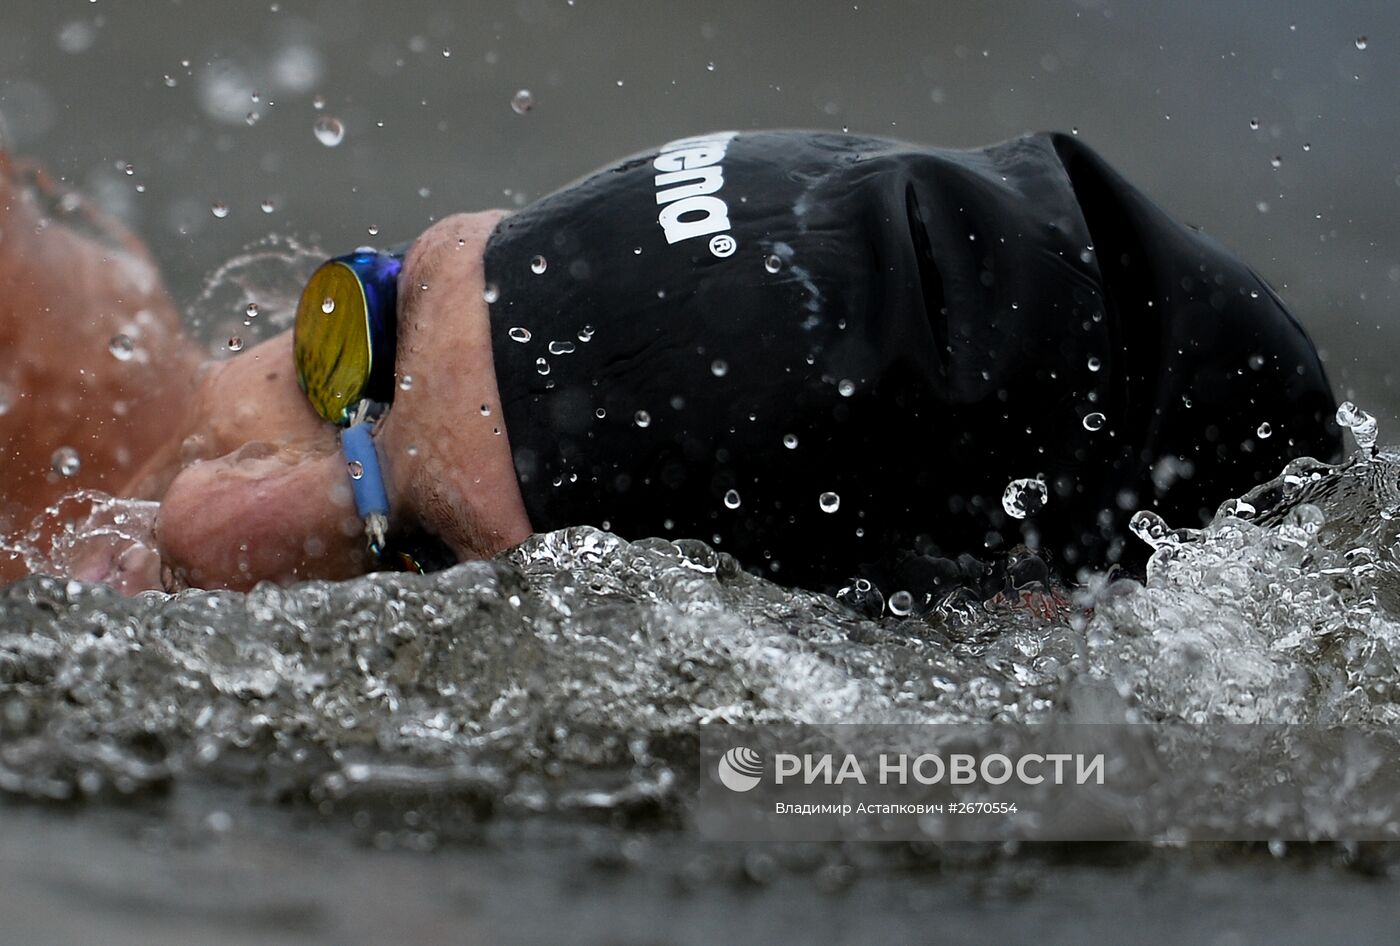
927, 768
1062, 782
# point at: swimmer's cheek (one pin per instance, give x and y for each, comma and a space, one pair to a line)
221, 528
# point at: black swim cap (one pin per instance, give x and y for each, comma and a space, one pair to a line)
814, 349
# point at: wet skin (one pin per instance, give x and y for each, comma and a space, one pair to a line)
270, 496
71, 280
252, 482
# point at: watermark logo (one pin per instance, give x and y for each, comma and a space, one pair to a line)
740, 769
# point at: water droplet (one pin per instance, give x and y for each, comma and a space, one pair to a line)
541, 365
329, 130
121, 347
772, 263
642, 419
600, 413
219, 209
828, 502
1024, 497
1307, 517
1276, 161
318, 102
328, 305
1307, 146
1254, 124
732, 500
66, 462
1233, 507
1256, 362
1149, 527
846, 387
406, 383
522, 101
519, 334
251, 310
486, 410
538, 265
585, 334
267, 205
356, 468
1361, 424
901, 603
1265, 431
491, 292
446, 53
719, 368
1094, 363
1094, 421
373, 229
235, 343
1361, 42
790, 441
561, 348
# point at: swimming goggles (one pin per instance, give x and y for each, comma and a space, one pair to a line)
343, 344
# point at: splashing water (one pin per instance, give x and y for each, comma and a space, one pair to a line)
87, 534
569, 675
254, 295
1024, 497
1361, 424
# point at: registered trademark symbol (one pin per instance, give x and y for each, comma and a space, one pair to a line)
722, 245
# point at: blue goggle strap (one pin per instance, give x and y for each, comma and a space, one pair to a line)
367, 482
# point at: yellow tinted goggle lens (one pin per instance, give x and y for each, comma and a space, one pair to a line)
331, 341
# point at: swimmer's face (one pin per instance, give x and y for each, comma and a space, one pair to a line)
257, 496
263, 492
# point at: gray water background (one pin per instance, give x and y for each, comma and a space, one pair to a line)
82, 87
1166, 91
